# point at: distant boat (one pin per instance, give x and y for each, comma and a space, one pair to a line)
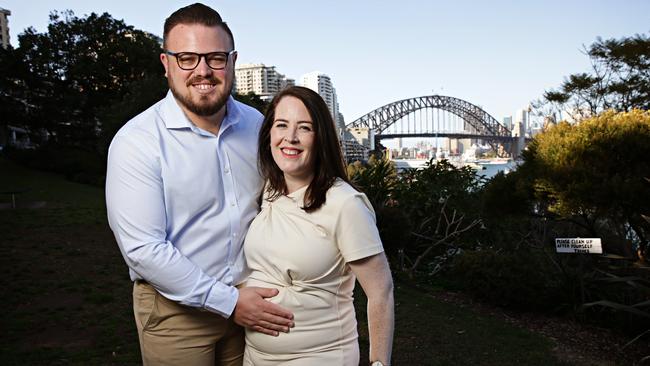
474, 165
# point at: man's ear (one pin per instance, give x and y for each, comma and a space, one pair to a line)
165, 61
234, 58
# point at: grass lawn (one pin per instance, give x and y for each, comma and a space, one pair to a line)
67, 294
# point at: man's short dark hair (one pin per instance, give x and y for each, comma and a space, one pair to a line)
196, 14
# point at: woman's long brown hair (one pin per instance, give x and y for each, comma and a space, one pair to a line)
328, 159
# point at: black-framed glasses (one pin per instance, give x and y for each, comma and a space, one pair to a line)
190, 60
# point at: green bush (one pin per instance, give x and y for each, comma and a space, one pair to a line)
522, 279
394, 229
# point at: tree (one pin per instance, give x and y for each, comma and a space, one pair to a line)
253, 100
378, 180
442, 203
14, 102
420, 213
619, 80
592, 174
140, 95
77, 68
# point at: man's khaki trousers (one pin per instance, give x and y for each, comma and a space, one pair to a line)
174, 334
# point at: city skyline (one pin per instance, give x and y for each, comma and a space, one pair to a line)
263, 80
499, 56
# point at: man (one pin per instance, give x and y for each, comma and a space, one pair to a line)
181, 190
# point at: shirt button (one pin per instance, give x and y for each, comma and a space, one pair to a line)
232, 204
234, 235
226, 170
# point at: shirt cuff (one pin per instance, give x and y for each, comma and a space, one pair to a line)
222, 299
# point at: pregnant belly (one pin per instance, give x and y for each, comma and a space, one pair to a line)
320, 322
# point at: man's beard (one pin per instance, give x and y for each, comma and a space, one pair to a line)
202, 109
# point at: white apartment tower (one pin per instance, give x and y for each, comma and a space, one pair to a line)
322, 84
4, 27
260, 79
522, 117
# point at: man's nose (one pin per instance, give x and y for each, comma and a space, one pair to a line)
202, 68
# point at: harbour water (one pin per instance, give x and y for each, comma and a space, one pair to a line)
486, 167
490, 167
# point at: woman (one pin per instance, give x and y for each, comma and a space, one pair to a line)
314, 235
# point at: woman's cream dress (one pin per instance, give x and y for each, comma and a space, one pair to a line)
305, 255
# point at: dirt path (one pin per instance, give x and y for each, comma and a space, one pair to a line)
576, 343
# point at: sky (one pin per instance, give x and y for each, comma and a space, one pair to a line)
497, 54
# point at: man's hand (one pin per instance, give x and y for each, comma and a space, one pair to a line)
252, 311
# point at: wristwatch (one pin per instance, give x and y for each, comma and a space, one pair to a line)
377, 363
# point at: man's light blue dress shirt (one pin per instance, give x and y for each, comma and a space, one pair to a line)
180, 201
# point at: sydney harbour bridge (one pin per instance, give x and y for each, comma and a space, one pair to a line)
437, 116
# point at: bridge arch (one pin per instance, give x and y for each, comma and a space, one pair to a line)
479, 122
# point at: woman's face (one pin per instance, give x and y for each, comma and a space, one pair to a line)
292, 142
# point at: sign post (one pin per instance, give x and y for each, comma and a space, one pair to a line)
578, 245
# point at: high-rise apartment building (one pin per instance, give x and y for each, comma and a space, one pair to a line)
260, 79
4, 27
322, 84
507, 121
364, 136
522, 117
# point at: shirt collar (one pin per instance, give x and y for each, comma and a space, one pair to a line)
233, 114
172, 114
175, 118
